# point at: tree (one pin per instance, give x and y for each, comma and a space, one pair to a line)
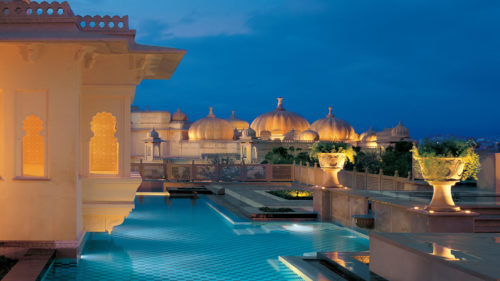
397, 158
282, 155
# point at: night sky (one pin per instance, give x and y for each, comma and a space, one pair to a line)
434, 65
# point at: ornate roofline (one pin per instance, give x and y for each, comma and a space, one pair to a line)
19, 11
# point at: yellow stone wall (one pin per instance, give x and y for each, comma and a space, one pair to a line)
47, 83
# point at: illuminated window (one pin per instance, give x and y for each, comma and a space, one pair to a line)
33, 147
103, 145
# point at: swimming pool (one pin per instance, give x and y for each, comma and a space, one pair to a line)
185, 239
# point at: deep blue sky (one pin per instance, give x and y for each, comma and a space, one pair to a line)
435, 65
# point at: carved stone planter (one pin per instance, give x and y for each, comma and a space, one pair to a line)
331, 163
442, 173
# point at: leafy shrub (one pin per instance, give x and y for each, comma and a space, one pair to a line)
451, 147
397, 158
293, 194
282, 155
332, 147
370, 160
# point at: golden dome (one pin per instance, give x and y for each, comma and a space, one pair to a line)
334, 129
308, 135
179, 116
369, 136
236, 123
211, 128
279, 121
400, 131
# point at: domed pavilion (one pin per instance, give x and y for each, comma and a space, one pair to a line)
211, 128
331, 128
279, 122
211, 137
179, 116
236, 123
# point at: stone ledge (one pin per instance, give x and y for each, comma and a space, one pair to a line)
31, 266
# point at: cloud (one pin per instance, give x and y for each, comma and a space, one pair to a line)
207, 26
432, 64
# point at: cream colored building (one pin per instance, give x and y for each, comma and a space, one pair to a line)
212, 137
66, 86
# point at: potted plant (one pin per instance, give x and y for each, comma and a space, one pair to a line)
331, 157
443, 163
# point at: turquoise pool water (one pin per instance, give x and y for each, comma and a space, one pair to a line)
183, 239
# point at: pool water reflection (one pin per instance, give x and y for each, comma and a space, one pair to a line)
182, 239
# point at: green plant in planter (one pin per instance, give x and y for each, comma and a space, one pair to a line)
451, 147
332, 147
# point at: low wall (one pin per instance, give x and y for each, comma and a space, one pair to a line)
210, 173
313, 175
340, 205
489, 175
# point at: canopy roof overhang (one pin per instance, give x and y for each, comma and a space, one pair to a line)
101, 35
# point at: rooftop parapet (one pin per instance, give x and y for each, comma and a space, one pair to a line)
19, 11
104, 24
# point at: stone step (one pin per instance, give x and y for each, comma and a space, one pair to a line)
31, 266
487, 224
483, 210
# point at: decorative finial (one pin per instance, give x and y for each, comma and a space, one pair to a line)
330, 114
232, 114
178, 109
211, 113
400, 123
280, 104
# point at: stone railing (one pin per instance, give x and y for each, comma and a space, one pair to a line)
308, 175
103, 24
212, 173
313, 175
20, 10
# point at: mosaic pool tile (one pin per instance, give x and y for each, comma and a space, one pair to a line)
186, 241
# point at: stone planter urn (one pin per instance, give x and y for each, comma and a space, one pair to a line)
331, 163
442, 173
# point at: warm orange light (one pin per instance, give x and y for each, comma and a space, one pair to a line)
431, 212
363, 259
33, 147
467, 211
416, 208
443, 252
103, 145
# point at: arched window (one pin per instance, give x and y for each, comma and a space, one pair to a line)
33, 150
103, 145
